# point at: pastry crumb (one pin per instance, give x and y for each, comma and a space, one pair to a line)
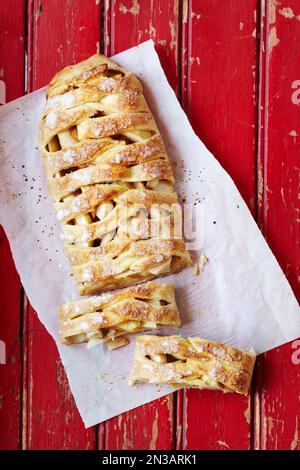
103, 376
117, 343
196, 270
199, 267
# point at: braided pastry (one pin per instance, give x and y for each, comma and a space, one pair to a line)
109, 177
192, 362
108, 317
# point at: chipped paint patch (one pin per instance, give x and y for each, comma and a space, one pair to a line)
40, 10
134, 10
196, 15
273, 39
254, 33
162, 42
287, 12
265, 432
195, 59
185, 423
293, 134
67, 417
154, 432
247, 413
2, 92
152, 29
125, 442
179, 433
256, 421
185, 12
173, 36
260, 185
295, 442
263, 8
270, 424
241, 26
170, 409
223, 444
272, 11
62, 381
283, 196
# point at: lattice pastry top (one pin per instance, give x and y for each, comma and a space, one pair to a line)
108, 317
192, 362
109, 177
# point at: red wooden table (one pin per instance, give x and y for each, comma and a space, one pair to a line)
235, 67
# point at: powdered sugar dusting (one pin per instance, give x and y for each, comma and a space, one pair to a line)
107, 85
159, 259
65, 100
84, 326
87, 275
98, 318
219, 351
68, 156
148, 366
167, 371
148, 151
51, 120
68, 237
169, 346
105, 297
62, 214
85, 236
79, 204
83, 176
119, 158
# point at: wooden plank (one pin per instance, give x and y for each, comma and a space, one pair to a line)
132, 22
147, 427
12, 32
135, 21
219, 95
221, 89
60, 33
278, 404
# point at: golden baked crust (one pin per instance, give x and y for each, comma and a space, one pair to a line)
110, 178
192, 362
105, 317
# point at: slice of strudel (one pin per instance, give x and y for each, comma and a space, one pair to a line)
108, 317
110, 178
192, 362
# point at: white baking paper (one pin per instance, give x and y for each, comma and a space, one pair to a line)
241, 298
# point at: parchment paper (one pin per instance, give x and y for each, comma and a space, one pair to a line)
241, 298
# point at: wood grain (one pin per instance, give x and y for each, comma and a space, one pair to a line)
12, 54
219, 94
60, 33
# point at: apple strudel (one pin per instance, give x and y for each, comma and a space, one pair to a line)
110, 178
109, 316
192, 362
